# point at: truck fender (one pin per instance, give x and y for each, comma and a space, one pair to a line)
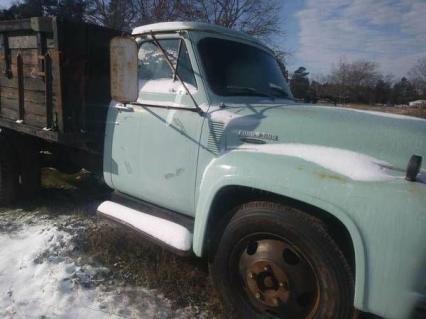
291, 178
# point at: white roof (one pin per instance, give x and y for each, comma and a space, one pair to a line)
194, 26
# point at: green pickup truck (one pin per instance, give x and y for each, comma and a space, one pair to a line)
302, 211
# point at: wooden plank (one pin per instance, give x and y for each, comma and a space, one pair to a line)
15, 25
34, 120
30, 107
31, 110
32, 84
29, 96
27, 129
42, 24
22, 42
29, 70
29, 56
36, 109
9, 103
9, 113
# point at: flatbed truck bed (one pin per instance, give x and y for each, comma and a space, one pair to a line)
54, 81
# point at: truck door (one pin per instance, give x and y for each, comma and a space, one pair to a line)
155, 141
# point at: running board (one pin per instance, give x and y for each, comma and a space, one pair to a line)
173, 236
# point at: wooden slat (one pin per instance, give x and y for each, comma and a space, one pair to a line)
35, 120
29, 96
29, 70
9, 103
32, 84
43, 24
30, 107
15, 25
23, 42
9, 113
29, 56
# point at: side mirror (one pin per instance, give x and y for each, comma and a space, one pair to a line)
124, 69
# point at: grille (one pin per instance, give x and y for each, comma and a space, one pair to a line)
215, 136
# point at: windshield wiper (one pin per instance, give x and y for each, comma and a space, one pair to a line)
278, 89
248, 89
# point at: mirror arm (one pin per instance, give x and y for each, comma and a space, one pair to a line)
197, 107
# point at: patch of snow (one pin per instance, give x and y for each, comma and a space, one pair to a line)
165, 86
39, 280
223, 116
166, 231
422, 177
356, 166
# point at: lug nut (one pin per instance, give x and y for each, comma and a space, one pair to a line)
267, 268
257, 295
251, 275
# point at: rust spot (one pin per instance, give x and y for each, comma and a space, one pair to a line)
338, 178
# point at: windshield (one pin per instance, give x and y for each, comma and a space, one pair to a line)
234, 68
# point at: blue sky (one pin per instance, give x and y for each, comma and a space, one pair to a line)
320, 33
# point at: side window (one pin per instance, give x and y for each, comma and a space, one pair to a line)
156, 76
184, 68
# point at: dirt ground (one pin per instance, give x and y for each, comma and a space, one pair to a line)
58, 260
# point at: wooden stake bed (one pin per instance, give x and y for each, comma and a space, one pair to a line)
54, 80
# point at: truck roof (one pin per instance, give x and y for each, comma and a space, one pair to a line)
164, 27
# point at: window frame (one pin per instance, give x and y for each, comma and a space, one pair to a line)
161, 95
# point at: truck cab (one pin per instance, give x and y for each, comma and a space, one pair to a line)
295, 205
167, 134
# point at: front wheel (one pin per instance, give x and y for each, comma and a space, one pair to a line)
275, 261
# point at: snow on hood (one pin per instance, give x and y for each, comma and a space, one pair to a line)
356, 166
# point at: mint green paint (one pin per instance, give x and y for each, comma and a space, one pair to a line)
164, 156
386, 220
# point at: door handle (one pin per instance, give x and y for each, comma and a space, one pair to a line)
122, 107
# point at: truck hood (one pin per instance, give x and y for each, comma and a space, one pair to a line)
361, 145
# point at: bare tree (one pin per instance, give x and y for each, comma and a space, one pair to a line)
417, 75
151, 11
355, 81
260, 18
116, 14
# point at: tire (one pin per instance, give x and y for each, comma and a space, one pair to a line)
275, 261
8, 173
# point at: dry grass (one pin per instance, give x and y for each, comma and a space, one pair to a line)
185, 281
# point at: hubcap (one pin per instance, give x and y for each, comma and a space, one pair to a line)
278, 279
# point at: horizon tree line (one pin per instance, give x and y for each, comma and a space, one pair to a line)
360, 81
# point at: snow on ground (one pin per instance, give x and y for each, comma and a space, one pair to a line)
41, 278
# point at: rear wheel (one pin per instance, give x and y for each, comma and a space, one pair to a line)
274, 261
8, 172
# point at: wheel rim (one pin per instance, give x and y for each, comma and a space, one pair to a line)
277, 278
